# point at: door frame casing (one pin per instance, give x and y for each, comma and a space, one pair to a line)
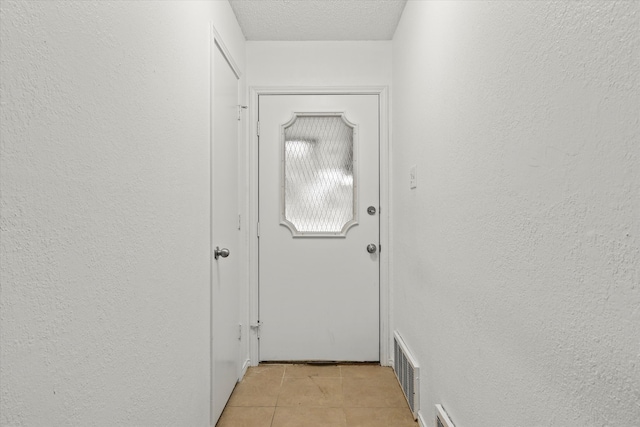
384, 170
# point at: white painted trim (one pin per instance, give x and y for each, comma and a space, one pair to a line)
295, 233
217, 39
421, 420
385, 225
245, 366
383, 99
252, 226
211, 47
329, 90
441, 414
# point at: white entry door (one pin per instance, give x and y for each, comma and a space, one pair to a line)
225, 316
319, 227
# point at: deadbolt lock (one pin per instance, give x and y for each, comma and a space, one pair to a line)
371, 210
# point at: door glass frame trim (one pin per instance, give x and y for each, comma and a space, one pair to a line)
355, 217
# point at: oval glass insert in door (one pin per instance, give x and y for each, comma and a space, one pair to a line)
318, 175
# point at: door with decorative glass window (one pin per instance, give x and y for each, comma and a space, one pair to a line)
319, 227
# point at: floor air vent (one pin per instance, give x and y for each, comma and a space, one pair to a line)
442, 419
408, 373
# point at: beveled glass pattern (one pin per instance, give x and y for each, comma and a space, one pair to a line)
318, 174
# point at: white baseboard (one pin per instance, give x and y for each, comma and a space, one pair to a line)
421, 420
245, 366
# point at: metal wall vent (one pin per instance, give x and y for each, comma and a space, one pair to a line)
407, 372
442, 418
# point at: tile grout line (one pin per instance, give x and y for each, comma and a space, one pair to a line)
275, 408
342, 391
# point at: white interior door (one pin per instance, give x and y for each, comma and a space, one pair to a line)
319, 174
225, 315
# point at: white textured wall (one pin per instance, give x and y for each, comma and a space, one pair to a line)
516, 260
104, 281
311, 63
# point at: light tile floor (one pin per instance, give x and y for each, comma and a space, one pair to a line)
311, 396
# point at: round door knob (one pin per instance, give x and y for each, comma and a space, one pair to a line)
224, 252
371, 248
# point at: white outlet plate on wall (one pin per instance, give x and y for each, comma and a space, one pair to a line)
413, 176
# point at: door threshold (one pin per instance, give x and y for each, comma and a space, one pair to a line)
317, 362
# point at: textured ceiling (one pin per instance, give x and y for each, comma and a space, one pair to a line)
318, 19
